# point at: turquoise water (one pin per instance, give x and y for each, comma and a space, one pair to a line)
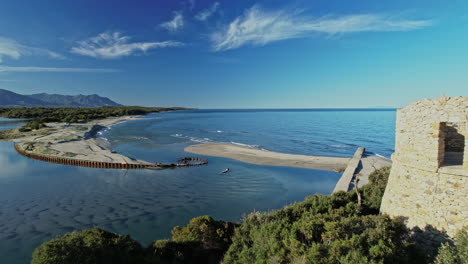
40, 200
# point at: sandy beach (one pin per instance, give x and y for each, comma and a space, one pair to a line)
265, 157
75, 141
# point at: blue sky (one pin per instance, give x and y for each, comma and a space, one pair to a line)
237, 54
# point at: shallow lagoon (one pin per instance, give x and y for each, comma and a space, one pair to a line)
40, 200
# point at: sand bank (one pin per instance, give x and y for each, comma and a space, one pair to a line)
74, 141
367, 164
265, 157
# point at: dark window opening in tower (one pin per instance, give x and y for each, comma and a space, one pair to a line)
454, 145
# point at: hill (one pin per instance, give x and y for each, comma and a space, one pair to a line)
93, 100
8, 98
11, 99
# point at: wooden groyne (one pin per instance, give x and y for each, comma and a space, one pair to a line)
184, 162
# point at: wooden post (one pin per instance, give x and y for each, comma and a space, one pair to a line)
356, 187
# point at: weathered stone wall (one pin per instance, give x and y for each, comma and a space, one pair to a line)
421, 189
423, 198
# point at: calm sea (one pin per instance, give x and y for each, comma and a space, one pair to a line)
40, 200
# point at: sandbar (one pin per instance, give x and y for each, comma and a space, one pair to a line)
265, 157
74, 141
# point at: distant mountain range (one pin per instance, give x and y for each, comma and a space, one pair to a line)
11, 99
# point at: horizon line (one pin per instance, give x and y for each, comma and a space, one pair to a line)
302, 108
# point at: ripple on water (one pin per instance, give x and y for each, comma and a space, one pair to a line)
40, 200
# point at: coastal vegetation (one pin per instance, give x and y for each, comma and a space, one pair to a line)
39, 116
456, 253
79, 115
32, 125
89, 246
203, 240
321, 229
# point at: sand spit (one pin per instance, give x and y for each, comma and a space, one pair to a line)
366, 166
75, 141
265, 157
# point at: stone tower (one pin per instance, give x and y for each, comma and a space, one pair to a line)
428, 183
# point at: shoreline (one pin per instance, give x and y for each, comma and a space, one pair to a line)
79, 142
266, 157
367, 164
75, 141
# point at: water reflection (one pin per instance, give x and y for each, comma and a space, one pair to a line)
40, 200
7, 123
9, 166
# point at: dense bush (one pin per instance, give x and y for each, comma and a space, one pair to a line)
207, 231
203, 240
32, 125
373, 192
94, 246
455, 254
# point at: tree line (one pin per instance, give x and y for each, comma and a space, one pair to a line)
77, 114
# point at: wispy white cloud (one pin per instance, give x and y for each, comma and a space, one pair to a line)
206, 13
11, 48
51, 69
259, 27
112, 45
175, 23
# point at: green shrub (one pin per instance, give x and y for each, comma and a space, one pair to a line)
32, 125
203, 240
374, 191
320, 238
94, 246
461, 241
24, 129
207, 231
454, 254
167, 251
447, 255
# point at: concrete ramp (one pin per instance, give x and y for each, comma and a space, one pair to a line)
347, 177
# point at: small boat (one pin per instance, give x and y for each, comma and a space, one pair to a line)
225, 171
